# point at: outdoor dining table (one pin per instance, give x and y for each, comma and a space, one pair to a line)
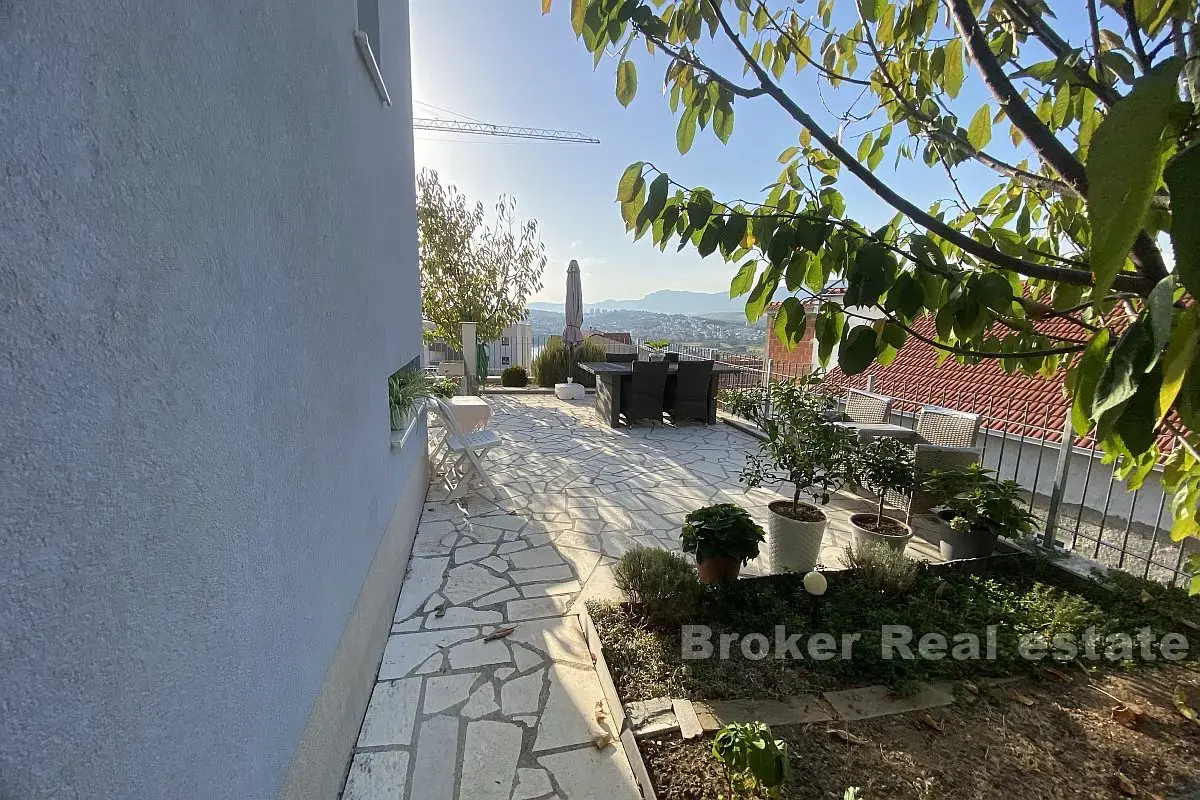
611, 377
873, 430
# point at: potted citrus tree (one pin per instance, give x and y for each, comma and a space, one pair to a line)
975, 509
804, 449
882, 465
722, 537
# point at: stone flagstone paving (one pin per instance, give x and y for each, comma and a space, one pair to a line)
454, 715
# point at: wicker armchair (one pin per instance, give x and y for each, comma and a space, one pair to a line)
945, 427
946, 440
643, 397
866, 408
688, 396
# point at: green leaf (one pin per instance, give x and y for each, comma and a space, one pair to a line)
1182, 176
699, 208
979, 133
828, 327
1152, 14
788, 155
626, 82
1087, 375
906, 297
735, 231
763, 291
723, 122
629, 181
1178, 360
711, 238
1119, 381
790, 322
657, 197
685, 134
1137, 422
744, 280
857, 350
578, 10
1162, 310
952, 78
870, 275
1125, 165
995, 292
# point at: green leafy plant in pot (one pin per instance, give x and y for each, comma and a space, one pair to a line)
975, 509
802, 448
723, 538
882, 465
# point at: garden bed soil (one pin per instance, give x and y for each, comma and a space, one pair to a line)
881, 525
804, 512
1065, 745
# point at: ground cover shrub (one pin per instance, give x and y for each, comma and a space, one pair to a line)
553, 362
662, 583
1019, 595
514, 376
883, 568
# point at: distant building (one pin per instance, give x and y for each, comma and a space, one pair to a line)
624, 337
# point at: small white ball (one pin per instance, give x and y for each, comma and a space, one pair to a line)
815, 583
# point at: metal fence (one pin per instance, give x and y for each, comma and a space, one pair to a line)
1076, 498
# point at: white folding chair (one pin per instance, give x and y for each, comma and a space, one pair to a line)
468, 450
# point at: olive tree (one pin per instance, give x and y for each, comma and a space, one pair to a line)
473, 271
1100, 175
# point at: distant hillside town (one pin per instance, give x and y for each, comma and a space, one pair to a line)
679, 329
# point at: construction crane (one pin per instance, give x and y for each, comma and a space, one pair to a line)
487, 129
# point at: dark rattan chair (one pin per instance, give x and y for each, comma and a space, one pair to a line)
620, 358
643, 396
671, 358
689, 395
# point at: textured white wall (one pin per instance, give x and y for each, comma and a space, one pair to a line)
207, 272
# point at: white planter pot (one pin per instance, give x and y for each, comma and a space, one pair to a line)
792, 544
569, 390
862, 536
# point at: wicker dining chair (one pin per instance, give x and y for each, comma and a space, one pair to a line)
866, 408
945, 427
689, 397
643, 397
620, 358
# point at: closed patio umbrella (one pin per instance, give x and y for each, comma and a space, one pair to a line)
573, 331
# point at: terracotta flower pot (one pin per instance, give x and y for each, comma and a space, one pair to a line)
718, 568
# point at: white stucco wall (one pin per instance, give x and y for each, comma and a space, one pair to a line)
207, 272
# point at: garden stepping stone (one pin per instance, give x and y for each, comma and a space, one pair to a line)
880, 701
716, 714
689, 725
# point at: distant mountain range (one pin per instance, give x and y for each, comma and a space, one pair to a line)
666, 301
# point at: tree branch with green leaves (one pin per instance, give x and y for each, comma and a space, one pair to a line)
1104, 176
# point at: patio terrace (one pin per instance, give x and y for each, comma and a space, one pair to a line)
465, 707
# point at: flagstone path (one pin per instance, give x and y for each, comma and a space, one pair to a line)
455, 714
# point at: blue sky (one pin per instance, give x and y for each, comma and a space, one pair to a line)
503, 62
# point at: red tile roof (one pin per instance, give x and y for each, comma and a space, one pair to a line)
1019, 404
